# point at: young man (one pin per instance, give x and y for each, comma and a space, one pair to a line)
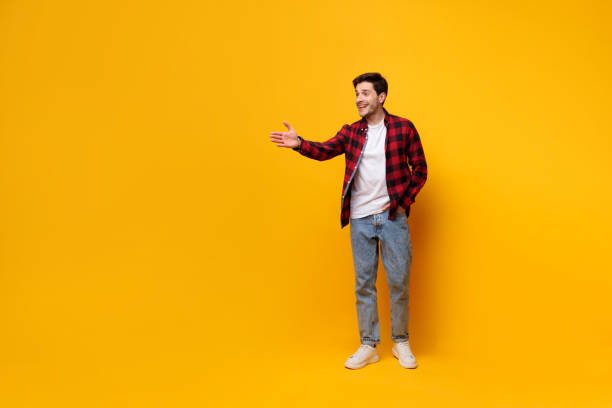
378, 190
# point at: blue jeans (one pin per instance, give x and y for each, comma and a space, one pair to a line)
396, 252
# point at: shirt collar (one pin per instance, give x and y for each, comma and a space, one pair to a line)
364, 122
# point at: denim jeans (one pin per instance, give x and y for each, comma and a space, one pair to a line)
396, 253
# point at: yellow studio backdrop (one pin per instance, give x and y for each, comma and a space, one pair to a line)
157, 250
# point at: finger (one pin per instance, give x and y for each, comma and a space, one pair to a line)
287, 124
276, 137
277, 133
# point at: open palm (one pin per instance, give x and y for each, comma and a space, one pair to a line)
285, 139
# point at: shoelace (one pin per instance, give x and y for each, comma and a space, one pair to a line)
404, 348
362, 349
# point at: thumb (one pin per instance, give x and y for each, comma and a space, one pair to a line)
287, 124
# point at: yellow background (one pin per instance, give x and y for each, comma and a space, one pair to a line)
158, 250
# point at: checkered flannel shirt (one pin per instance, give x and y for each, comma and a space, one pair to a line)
402, 146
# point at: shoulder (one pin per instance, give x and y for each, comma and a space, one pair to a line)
353, 129
355, 125
400, 122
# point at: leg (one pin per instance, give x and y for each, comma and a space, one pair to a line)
396, 251
365, 258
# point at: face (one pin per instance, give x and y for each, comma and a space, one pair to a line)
367, 100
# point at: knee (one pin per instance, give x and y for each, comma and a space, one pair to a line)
365, 287
398, 286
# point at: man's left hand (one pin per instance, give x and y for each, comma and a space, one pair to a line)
400, 209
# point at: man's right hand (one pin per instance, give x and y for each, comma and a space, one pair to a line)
285, 139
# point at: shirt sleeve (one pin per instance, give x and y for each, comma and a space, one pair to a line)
416, 159
325, 150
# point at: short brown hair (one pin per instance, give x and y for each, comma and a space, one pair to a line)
377, 80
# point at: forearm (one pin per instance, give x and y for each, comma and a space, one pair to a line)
416, 159
322, 150
417, 181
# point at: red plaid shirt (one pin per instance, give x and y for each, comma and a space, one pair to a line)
402, 143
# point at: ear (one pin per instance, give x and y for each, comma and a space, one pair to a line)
382, 97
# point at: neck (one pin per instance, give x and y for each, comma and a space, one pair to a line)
375, 117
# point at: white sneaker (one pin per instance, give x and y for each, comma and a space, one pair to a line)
402, 352
364, 355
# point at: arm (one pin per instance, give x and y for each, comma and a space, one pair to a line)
416, 159
314, 150
325, 150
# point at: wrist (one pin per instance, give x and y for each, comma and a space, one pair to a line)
404, 203
299, 143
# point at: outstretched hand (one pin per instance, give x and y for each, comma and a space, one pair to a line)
285, 139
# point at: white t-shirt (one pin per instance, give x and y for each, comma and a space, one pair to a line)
369, 191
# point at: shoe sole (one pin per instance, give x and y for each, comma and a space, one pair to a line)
372, 359
400, 363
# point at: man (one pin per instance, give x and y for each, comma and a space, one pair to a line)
378, 190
